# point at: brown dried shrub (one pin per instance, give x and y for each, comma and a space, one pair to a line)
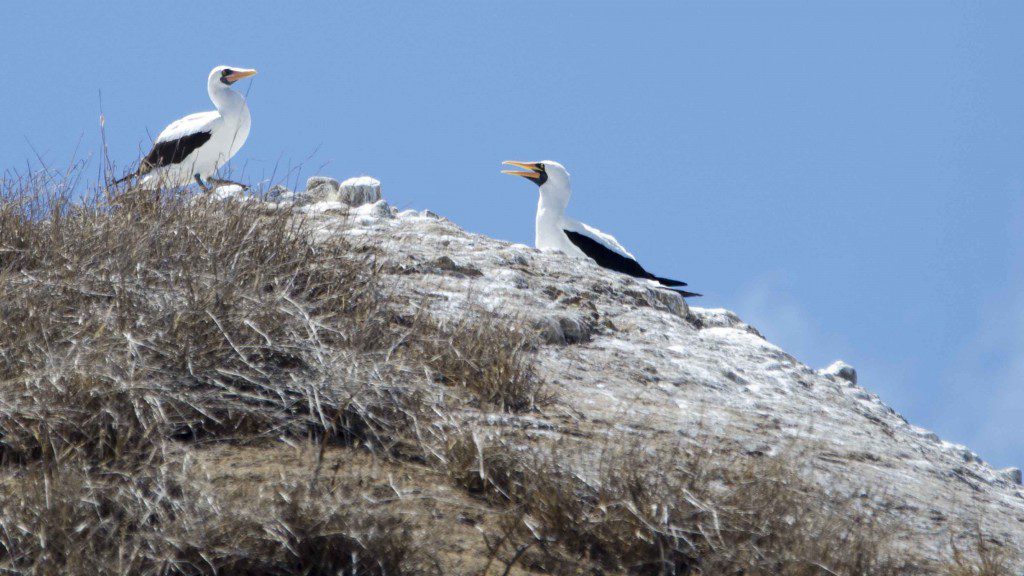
674, 512
983, 557
145, 314
162, 520
491, 358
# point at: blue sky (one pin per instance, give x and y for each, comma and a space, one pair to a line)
847, 176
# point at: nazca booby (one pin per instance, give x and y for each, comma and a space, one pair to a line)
555, 230
193, 148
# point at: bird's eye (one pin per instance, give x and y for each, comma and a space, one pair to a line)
226, 72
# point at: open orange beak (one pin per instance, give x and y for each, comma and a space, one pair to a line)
532, 169
239, 74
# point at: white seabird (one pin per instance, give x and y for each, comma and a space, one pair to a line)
556, 231
193, 148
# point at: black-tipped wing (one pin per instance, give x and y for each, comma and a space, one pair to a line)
173, 151
606, 257
612, 260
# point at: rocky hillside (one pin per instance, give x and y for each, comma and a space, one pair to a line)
316, 382
625, 356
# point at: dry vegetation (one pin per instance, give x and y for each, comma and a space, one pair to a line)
487, 356
158, 519
138, 330
674, 512
158, 317
982, 558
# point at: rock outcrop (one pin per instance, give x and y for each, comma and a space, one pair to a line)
352, 192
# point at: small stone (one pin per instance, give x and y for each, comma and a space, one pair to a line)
360, 190
378, 209
965, 453
703, 318
226, 192
1012, 475
512, 277
717, 317
671, 300
925, 434
574, 330
840, 370
514, 256
445, 265
550, 330
278, 193
322, 189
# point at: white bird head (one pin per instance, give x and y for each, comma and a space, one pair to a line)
550, 176
222, 77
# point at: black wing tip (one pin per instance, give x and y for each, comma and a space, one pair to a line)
669, 282
606, 258
126, 178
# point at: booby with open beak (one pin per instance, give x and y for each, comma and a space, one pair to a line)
193, 148
555, 230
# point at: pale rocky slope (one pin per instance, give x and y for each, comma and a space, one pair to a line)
625, 356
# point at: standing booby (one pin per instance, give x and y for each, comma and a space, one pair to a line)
193, 148
557, 231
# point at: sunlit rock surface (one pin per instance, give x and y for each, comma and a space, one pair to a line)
625, 355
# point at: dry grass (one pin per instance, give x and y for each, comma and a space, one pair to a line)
162, 520
157, 316
133, 319
490, 358
683, 513
983, 558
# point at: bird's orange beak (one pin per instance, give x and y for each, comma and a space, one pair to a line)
239, 74
532, 169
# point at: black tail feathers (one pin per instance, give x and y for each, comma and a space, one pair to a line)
124, 179
668, 281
